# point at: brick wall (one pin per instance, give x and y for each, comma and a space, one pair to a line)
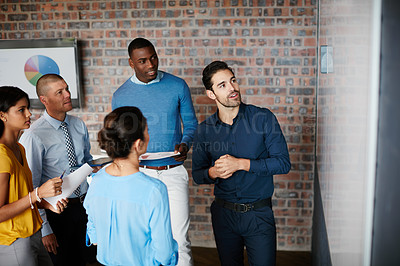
271, 45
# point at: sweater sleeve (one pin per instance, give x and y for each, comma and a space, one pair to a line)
187, 115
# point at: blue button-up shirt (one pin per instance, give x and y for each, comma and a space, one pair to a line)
256, 135
46, 153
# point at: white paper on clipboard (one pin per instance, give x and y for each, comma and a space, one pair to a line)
157, 155
70, 183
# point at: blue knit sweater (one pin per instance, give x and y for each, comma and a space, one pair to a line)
164, 104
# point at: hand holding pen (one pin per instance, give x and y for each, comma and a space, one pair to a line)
51, 188
61, 176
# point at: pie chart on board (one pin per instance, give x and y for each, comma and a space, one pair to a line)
39, 65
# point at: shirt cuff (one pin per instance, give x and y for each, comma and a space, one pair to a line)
258, 166
187, 141
210, 180
173, 260
46, 229
90, 238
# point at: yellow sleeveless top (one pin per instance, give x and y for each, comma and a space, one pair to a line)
28, 222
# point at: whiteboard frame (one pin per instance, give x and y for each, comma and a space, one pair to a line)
48, 44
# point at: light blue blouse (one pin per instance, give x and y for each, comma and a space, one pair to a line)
129, 220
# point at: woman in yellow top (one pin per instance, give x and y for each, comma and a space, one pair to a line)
20, 239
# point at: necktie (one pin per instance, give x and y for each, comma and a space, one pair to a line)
70, 152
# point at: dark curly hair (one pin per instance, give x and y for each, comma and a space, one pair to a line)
211, 69
122, 127
9, 96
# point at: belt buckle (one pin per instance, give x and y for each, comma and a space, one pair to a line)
82, 198
242, 208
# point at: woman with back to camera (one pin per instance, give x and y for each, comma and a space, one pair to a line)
20, 222
128, 211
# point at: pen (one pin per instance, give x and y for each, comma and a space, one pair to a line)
63, 174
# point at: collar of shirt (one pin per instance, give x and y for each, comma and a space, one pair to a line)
214, 119
135, 80
54, 122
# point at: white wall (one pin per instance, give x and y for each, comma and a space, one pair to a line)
347, 125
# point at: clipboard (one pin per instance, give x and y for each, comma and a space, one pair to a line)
157, 155
100, 161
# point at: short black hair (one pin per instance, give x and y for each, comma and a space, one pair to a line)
211, 69
122, 127
9, 96
139, 43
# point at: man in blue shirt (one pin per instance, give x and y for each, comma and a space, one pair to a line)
239, 149
165, 101
63, 235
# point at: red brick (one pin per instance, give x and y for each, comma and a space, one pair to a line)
286, 212
310, 42
275, 32
204, 100
52, 7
